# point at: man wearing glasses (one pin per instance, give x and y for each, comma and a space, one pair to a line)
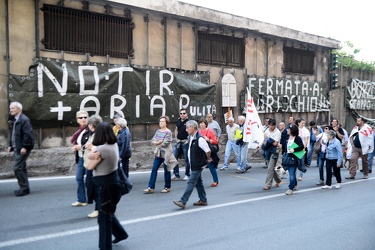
181, 145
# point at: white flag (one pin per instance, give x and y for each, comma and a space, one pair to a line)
253, 132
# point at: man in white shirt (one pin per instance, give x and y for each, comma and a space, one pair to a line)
272, 138
231, 143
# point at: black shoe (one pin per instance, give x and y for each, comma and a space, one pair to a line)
21, 192
370, 171
361, 170
117, 240
247, 168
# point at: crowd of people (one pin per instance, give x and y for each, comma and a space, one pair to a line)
102, 154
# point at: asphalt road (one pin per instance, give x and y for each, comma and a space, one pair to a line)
239, 215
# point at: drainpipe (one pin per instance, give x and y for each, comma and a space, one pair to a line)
180, 28
7, 52
165, 42
147, 43
267, 52
37, 46
196, 46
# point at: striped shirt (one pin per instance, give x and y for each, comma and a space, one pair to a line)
166, 136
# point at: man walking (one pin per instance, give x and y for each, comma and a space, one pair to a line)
181, 145
198, 154
213, 125
242, 148
231, 144
21, 143
362, 142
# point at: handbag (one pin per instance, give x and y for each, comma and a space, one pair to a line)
214, 148
317, 147
288, 161
126, 184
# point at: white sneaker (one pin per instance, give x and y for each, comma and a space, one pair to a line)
93, 214
320, 182
186, 178
299, 178
327, 187
224, 168
289, 192
175, 178
79, 204
338, 185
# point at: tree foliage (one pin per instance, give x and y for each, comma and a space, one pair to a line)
346, 53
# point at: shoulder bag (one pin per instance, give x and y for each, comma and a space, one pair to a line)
126, 184
288, 161
317, 147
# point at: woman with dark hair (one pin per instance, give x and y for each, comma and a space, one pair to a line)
210, 137
92, 122
304, 134
292, 131
103, 161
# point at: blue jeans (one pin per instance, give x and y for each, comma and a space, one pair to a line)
292, 177
80, 174
92, 189
321, 160
212, 167
310, 153
370, 158
177, 150
195, 180
228, 150
154, 173
243, 155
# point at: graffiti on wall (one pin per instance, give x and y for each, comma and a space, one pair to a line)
274, 95
361, 95
55, 90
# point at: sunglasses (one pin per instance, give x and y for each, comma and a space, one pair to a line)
182, 113
82, 117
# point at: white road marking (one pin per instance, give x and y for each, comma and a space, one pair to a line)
157, 217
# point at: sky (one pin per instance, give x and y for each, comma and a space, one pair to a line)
351, 21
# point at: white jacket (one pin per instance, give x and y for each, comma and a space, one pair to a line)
365, 137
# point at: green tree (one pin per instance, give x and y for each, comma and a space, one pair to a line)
346, 53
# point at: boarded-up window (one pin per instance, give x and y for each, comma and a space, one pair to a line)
86, 32
221, 50
298, 61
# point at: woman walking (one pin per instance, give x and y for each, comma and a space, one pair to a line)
292, 131
210, 137
92, 194
304, 134
79, 139
103, 161
162, 140
333, 160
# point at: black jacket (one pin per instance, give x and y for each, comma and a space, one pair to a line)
300, 147
24, 135
198, 158
123, 142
